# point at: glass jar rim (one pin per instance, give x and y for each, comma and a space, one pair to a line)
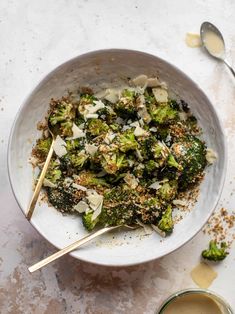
207, 292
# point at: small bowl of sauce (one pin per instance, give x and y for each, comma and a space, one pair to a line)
195, 301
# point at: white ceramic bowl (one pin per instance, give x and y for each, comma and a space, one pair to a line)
96, 68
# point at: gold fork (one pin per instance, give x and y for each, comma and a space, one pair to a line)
74, 246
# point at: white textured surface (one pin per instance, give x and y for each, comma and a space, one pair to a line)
35, 37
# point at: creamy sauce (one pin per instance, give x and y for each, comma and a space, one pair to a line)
193, 304
193, 40
214, 44
203, 275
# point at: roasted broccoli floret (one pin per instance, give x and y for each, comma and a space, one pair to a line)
72, 145
87, 178
126, 107
215, 253
66, 128
97, 127
150, 166
88, 222
78, 159
113, 162
127, 141
42, 147
173, 163
166, 223
53, 173
61, 111
190, 154
163, 113
168, 190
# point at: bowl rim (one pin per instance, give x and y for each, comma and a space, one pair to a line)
94, 52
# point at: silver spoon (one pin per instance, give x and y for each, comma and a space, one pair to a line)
213, 42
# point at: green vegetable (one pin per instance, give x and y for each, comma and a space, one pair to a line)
42, 148
173, 163
53, 173
97, 127
78, 159
166, 223
214, 252
87, 178
163, 113
62, 111
126, 107
127, 141
168, 190
87, 221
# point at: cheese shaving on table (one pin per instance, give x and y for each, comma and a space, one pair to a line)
59, 146
160, 94
112, 95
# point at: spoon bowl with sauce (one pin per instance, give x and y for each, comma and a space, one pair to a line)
195, 301
213, 42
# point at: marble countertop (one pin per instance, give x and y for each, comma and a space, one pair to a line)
35, 37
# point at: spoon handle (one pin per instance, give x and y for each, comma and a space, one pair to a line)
69, 248
37, 190
229, 66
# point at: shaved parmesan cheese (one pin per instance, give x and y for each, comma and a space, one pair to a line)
140, 132
147, 229
131, 180
98, 105
59, 146
79, 187
179, 202
112, 95
160, 94
183, 116
109, 137
211, 156
138, 154
153, 129
91, 116
159, 231
135, 124
48, 183
95, 202
81, 207
91, 149
77, 132
155, 185
140, 80
153, 82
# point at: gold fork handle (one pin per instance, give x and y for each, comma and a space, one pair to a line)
37, 190
70, 248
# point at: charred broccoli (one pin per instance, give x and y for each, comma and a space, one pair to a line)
215, 253
53, 173
163, 113
168, 190
42, 148
126, 107
88, 222
127, 141
97, 127
166, 223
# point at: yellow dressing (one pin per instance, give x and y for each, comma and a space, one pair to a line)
214, 44
193, 304
203, 275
